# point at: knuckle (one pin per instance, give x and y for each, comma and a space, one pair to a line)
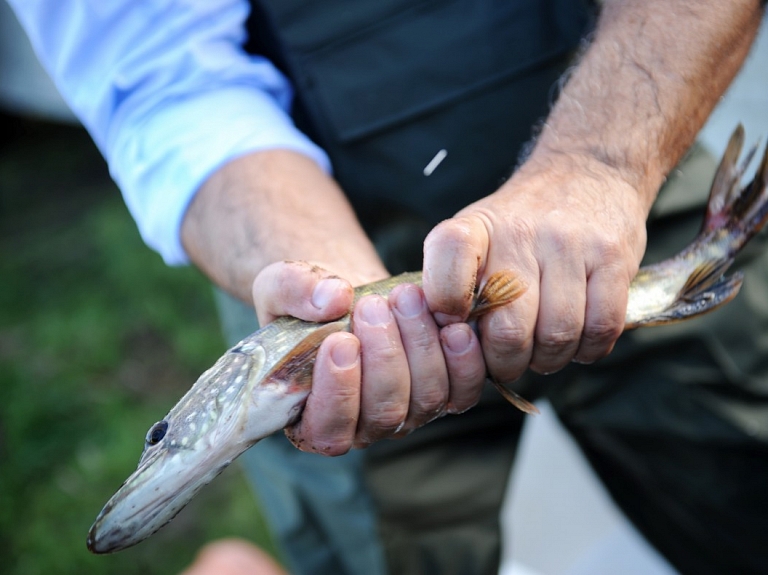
456, 232
467, 376
561, 238
508, 337
386, 355
291, 276
418, 340
608, 248
430, 403
611, 251
388, 415
606, 330
558, 339
343, 401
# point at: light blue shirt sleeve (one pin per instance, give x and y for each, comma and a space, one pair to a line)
167, 93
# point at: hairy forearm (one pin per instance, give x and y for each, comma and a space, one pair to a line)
271, 206
650, 78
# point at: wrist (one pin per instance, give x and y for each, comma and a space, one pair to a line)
272, 206
612, 167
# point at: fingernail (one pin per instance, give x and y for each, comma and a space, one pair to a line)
453, 410
345, 353
325, 291
457, 340
445, 319
361, 442
409, 302
374, 311
437, 414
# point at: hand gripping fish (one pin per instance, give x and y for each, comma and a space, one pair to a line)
260, 385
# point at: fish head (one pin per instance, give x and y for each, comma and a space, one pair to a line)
216, 420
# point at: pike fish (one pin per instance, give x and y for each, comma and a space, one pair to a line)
260, 385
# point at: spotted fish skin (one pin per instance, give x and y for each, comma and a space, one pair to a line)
260, 385
241, 399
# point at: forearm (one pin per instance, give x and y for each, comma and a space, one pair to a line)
571, 220
647, 83
271, 206
168, 94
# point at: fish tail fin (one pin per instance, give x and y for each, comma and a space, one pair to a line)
734, 215
742, 210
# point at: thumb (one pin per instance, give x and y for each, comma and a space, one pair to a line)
301, 290
455, 252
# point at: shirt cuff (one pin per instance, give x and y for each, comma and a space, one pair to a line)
162, 163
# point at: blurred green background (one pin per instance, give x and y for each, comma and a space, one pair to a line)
98, 339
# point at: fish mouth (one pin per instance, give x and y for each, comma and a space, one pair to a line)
104, 538
134, 512
150, 498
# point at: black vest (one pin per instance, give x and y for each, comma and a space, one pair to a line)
384, 85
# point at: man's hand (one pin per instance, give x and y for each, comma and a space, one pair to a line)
395, 373
571, 220
398, 370
574, 232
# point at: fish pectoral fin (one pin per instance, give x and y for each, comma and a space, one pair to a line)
502, 288
706, 290
703, 279
512, 397
297, 365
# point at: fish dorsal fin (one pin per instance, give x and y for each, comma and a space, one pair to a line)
758, 207
728, 202
726, 181
296, 367
502, 288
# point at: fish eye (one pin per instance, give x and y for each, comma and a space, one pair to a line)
157, 432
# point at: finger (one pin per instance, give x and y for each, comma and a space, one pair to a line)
507, 335
233, 556
455, 251
329, 420
302, 290
386, 382
466, 368
562, 299
421, 342
606, 308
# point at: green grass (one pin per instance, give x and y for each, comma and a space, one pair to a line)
98, 339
